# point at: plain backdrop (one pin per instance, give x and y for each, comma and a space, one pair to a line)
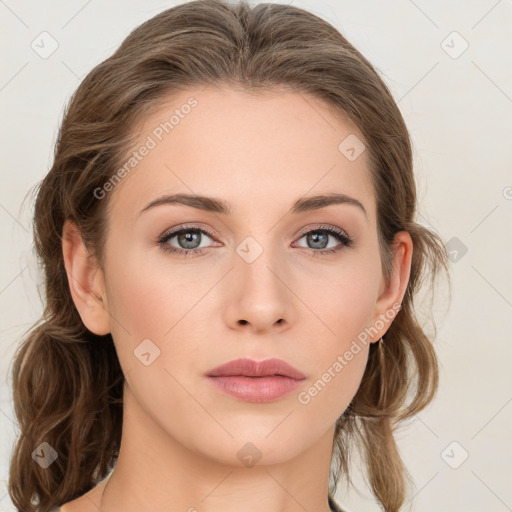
449, 67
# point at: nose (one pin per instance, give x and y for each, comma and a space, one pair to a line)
259, 298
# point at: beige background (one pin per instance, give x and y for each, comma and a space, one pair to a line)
458, 106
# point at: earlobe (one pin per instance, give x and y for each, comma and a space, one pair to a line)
86, 280
391, 297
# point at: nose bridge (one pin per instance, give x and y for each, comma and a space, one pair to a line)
258, 263
261, 297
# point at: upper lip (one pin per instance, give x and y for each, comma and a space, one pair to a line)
250, 368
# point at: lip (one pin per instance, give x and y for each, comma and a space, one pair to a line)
254, 381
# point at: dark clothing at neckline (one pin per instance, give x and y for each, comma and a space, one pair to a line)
334, 506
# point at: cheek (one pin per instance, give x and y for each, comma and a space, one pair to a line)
339, 357
138, 305
345, 303
345, 306
161, 303
339, 362
149, 299
331, 391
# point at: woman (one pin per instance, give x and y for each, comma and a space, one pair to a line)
227, 234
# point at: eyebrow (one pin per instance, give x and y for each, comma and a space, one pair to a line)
212, 204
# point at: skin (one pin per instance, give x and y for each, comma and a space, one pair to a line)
260, 153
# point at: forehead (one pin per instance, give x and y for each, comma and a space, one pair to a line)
252, 149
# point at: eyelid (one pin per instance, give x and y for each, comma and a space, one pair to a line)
322, 227
344, 239
177, 229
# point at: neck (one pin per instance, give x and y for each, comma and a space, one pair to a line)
155, 471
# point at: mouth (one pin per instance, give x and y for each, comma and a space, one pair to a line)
253, 381
249, 368
256, 389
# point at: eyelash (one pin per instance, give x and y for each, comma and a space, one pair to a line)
343, 238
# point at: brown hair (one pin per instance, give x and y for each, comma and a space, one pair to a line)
67, 381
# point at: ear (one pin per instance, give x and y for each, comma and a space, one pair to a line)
391, 295
86, 280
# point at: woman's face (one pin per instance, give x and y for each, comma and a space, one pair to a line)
259, 279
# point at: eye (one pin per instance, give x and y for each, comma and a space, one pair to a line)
319, 239
188, 239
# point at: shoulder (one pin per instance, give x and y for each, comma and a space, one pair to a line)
88, 502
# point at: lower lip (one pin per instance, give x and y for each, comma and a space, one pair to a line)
256, 389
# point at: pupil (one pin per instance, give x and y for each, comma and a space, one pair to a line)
318, 238
189, 237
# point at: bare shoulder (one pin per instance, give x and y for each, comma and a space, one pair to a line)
78, 505
88, 502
